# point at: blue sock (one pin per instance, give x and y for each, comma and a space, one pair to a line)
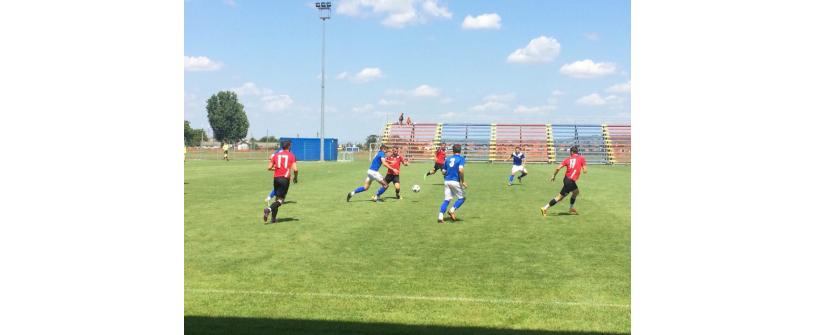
458, 203
511, 177
359, 189
443, 208
381, 190
271, 194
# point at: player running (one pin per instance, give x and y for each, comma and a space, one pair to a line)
373, 174
575, 164
518, 160
453, 183
272, 193
441, 153
283, 163
394, 160
226, 152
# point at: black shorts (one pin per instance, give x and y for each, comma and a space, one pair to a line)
281, 187
568, 186
391, 178
438, 166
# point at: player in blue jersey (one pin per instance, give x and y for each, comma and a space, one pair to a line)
518, 160
373, 174
453, 183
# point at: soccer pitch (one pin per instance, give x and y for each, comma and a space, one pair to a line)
333, 267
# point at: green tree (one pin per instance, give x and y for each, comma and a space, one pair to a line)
187, 133
227, 117
369, 140
197, 136
192, 136
268, 139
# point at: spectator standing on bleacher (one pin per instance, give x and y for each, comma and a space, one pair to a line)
409, 123
401, 118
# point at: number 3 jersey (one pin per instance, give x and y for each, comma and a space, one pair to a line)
451, 165
282, 162
574, 165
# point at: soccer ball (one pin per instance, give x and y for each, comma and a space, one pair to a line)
416, 188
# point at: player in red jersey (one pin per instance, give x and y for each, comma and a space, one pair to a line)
284, 165
575, 164
441, 154
394, 160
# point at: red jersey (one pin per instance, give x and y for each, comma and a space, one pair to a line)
282, 162
574, 165
440, 155
395, 162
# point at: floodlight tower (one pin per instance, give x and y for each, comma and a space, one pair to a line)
325, 13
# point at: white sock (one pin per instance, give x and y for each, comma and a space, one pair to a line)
452, 209
441, 216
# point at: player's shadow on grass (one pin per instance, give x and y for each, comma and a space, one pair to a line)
252, 326
287, 219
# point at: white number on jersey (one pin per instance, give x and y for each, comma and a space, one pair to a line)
572, 162
281, 158
452, 162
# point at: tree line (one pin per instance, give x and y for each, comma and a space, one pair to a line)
230, 124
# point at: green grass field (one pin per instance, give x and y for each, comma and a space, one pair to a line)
333, 267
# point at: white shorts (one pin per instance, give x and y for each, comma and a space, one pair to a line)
516, 168
452, 187
374, 175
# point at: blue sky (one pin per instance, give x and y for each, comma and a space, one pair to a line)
434, 60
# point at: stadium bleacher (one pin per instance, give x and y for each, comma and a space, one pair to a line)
542, 143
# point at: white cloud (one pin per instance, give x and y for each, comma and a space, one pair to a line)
385, 102
420, 91
539, 50
248, 88
620, 88
363, 76
557, 93
587, 69
592, 36
449, 115
398, 13
425, 91
275, 103
489, 106
595, 99
521, 109
432, 8
363, 109
494, 102
271, 102
483, 21
200, 63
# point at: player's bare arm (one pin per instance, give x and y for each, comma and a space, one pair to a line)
461, 177
385, 163
296, 171
556, 172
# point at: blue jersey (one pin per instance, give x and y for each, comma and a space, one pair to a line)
377, 162
518, 159
451, 165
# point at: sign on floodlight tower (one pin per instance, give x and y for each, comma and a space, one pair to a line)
325, 13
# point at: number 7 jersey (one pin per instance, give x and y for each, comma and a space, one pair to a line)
574, 165
282, 162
